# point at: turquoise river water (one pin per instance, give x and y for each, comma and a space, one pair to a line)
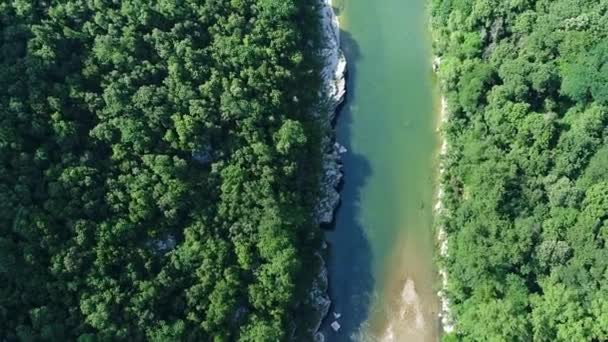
383, 280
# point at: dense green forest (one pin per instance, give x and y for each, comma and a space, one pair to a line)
527, 168
157, 163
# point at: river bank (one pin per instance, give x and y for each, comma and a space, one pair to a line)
445, 314
331, 94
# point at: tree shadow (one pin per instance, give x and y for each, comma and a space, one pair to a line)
350, 257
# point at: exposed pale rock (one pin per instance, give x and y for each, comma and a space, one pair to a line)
336, 326
442, 238
436, 63
341, 149
334, 70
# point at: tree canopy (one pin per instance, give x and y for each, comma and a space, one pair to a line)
157, 177
526, 182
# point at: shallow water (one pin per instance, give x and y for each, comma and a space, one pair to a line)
383, 280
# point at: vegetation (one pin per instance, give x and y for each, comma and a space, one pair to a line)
526, 180
157, 163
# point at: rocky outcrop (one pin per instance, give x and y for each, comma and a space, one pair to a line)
331, 178
334, 70
332, 93
318, 296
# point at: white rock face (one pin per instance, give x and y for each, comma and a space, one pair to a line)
334, 70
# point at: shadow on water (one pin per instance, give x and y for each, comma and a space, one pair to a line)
350, 275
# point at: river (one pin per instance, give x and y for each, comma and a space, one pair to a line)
383, 280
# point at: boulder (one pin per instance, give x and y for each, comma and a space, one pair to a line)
341, 149
336, 326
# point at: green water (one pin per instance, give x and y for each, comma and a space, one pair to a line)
382, 275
